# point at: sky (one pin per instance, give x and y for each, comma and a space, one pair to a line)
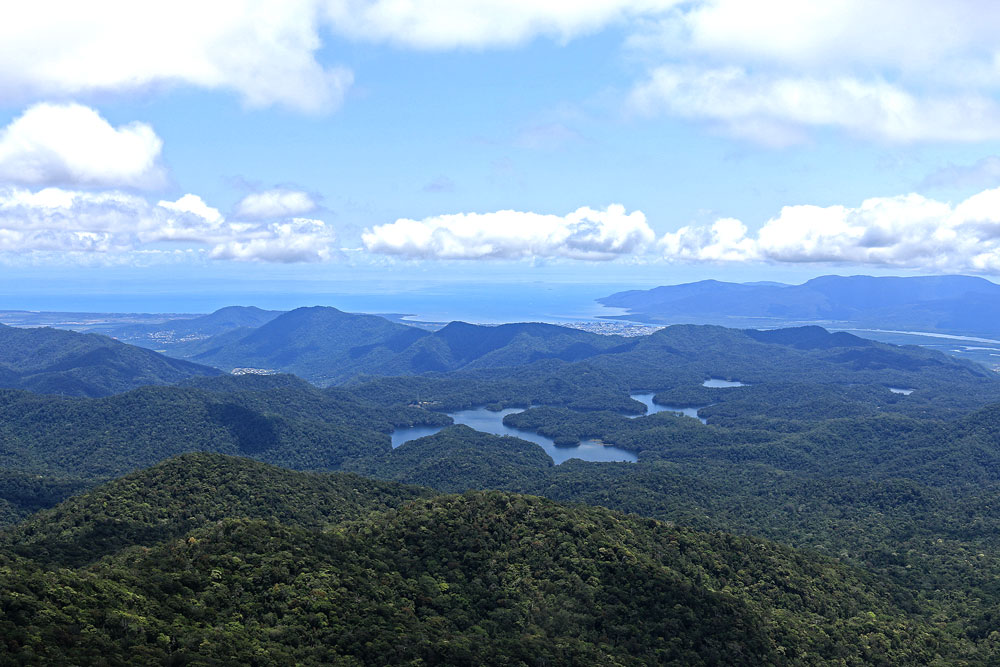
282, 150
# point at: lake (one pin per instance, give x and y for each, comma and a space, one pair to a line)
717, 383
653, 408
488, 421
401, 435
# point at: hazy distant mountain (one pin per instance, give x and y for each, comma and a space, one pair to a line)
325, 345
957, 304
177, 332
319, 343
55, 361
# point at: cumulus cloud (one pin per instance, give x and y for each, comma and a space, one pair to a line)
906, 231
266, 51
298, 240
897, 71
778, 109
58, 220
586, 234
71, 144
724, 240
446, 24
917, 38
277, 203
263, 51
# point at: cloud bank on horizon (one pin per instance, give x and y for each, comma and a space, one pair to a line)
896, 74
585, 234
73, 221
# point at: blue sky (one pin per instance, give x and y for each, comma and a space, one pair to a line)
325, 147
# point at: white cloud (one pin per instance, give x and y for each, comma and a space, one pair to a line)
264, 51
916, 37
195, 205
724, 240
773, 70
906, 231
777, 109
277, 203
57, 220
447, 24
72, 144
298, 240
584, 234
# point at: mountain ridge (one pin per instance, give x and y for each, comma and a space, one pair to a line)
328, 346
57, 361
961, 304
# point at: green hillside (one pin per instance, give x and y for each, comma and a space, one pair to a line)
319, 344
481, 578
178, 333
296, 425
55, 361
187, 492
838, 373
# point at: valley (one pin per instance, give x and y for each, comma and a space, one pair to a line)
436, 333
694, 472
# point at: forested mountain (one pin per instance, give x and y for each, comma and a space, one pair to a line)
179, 332
327, 346
675, 361
55, 361
187, 492
956, 304
911, 501
314, 343
286, 422
481, 578
815, 451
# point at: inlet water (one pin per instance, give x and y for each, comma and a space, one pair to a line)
653, 408
717, 383
488, 421
401, 435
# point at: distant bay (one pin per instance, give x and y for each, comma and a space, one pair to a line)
470, 302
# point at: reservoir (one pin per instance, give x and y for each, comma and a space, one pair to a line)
716, 383
401, 435
488, 421
653, 408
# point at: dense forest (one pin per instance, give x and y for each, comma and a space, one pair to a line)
281, 568
53, 361
818, 516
